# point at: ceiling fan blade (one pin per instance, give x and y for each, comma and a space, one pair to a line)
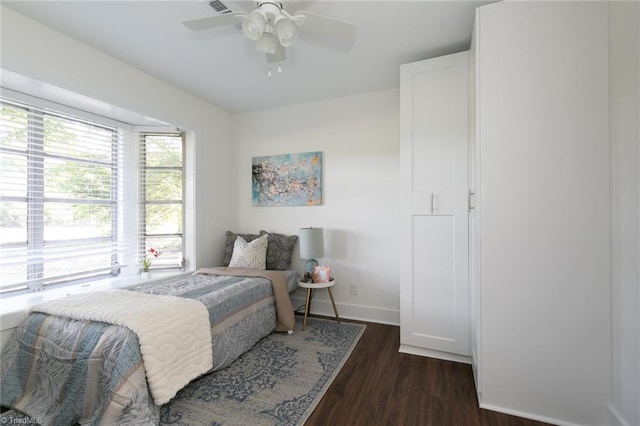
214, 21
326, 26
279, 55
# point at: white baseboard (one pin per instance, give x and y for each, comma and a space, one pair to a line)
615, 419
413, 350
527, 415
349, 311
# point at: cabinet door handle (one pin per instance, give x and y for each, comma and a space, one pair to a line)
433, 202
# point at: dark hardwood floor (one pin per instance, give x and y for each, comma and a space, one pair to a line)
380, 386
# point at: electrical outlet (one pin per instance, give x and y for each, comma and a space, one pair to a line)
353, 289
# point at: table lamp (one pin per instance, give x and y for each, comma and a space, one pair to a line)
311, 246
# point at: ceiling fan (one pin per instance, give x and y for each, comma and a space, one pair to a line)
273, 28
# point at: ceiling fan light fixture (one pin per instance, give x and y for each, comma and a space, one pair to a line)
285, 31
274, 29
254, 24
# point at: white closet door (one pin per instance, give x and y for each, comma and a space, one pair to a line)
544, 264
434, 209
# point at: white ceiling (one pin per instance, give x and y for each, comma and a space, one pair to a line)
222, 66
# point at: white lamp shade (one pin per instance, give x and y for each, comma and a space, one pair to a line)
254, 24
285, 31
311, 243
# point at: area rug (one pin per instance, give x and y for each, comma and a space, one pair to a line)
278, 382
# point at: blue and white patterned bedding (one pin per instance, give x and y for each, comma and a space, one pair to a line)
64, 371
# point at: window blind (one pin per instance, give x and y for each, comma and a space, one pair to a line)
60, 189
161, 223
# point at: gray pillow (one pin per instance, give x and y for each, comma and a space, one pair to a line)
231, 239
279, 250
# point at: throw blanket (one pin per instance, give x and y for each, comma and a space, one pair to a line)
174, 332
284, 309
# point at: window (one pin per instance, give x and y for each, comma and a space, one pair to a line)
75, 203
161, 199
59, 197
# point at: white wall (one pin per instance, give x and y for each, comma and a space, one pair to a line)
359, 140
42, 54
624, 101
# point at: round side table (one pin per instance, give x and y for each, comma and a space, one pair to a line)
311, 287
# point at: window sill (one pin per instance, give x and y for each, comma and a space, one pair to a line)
14, 308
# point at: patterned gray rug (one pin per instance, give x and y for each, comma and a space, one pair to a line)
278, 382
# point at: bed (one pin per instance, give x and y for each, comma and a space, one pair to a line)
63, 370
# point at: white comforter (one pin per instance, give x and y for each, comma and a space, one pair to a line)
174, 332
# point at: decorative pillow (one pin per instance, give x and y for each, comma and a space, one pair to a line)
231, 239
279, 250
251, 255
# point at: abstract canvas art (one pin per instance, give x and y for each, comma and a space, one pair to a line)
287, 180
